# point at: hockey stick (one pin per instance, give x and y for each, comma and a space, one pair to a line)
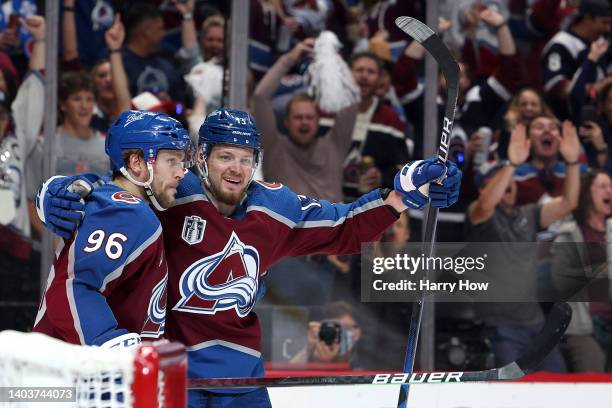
545, 341
450, 69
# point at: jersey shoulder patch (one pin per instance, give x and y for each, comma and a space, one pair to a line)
125, 197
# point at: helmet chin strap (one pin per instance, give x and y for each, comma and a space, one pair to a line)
146, 185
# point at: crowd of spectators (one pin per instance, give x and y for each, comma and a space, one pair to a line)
533, 136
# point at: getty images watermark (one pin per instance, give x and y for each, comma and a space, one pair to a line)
412, 265
482, 272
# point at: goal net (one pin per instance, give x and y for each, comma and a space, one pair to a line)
35, 368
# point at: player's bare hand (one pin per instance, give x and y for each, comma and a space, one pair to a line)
35, 25
115, 35
68, 3
569, 145
520, 144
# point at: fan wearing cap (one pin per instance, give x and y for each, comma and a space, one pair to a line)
495, 217
91, 295
564, 54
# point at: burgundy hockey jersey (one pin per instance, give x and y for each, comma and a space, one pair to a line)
217, 264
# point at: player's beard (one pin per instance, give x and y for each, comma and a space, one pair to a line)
229, 198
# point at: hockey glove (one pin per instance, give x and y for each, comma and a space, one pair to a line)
60, 205
447, 193
415, 182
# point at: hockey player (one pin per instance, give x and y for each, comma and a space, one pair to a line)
224, 231
107, 285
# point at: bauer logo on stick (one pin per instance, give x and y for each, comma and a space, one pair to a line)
417, 378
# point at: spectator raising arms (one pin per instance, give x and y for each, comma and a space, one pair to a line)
496, 217
111, 91
306, 163
542, 175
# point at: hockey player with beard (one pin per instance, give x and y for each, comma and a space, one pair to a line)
225, 230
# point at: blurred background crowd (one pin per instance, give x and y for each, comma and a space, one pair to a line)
532, 135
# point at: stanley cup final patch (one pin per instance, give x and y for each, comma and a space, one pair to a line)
193, 229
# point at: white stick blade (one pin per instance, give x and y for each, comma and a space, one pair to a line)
414, 28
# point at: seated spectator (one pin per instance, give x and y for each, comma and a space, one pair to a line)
146, 69
496, 216
581, 263
332, 338
542, 176
566, 51
308, 164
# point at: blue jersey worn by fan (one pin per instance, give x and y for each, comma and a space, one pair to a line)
223, 232
108, 282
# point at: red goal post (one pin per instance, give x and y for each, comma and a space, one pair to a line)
151, 375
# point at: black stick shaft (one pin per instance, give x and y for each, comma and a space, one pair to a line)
434, 45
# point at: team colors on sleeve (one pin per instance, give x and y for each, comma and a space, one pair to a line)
111, 277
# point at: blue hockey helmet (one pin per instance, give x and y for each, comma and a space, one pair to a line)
230, 127
148, 132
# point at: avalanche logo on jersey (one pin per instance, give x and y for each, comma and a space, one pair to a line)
156, 314
193, 229
226, 280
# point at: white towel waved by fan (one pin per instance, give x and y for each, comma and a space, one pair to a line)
331, 82
206, 79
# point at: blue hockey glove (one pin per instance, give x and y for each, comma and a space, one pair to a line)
415, 182
446, 194
60, 205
